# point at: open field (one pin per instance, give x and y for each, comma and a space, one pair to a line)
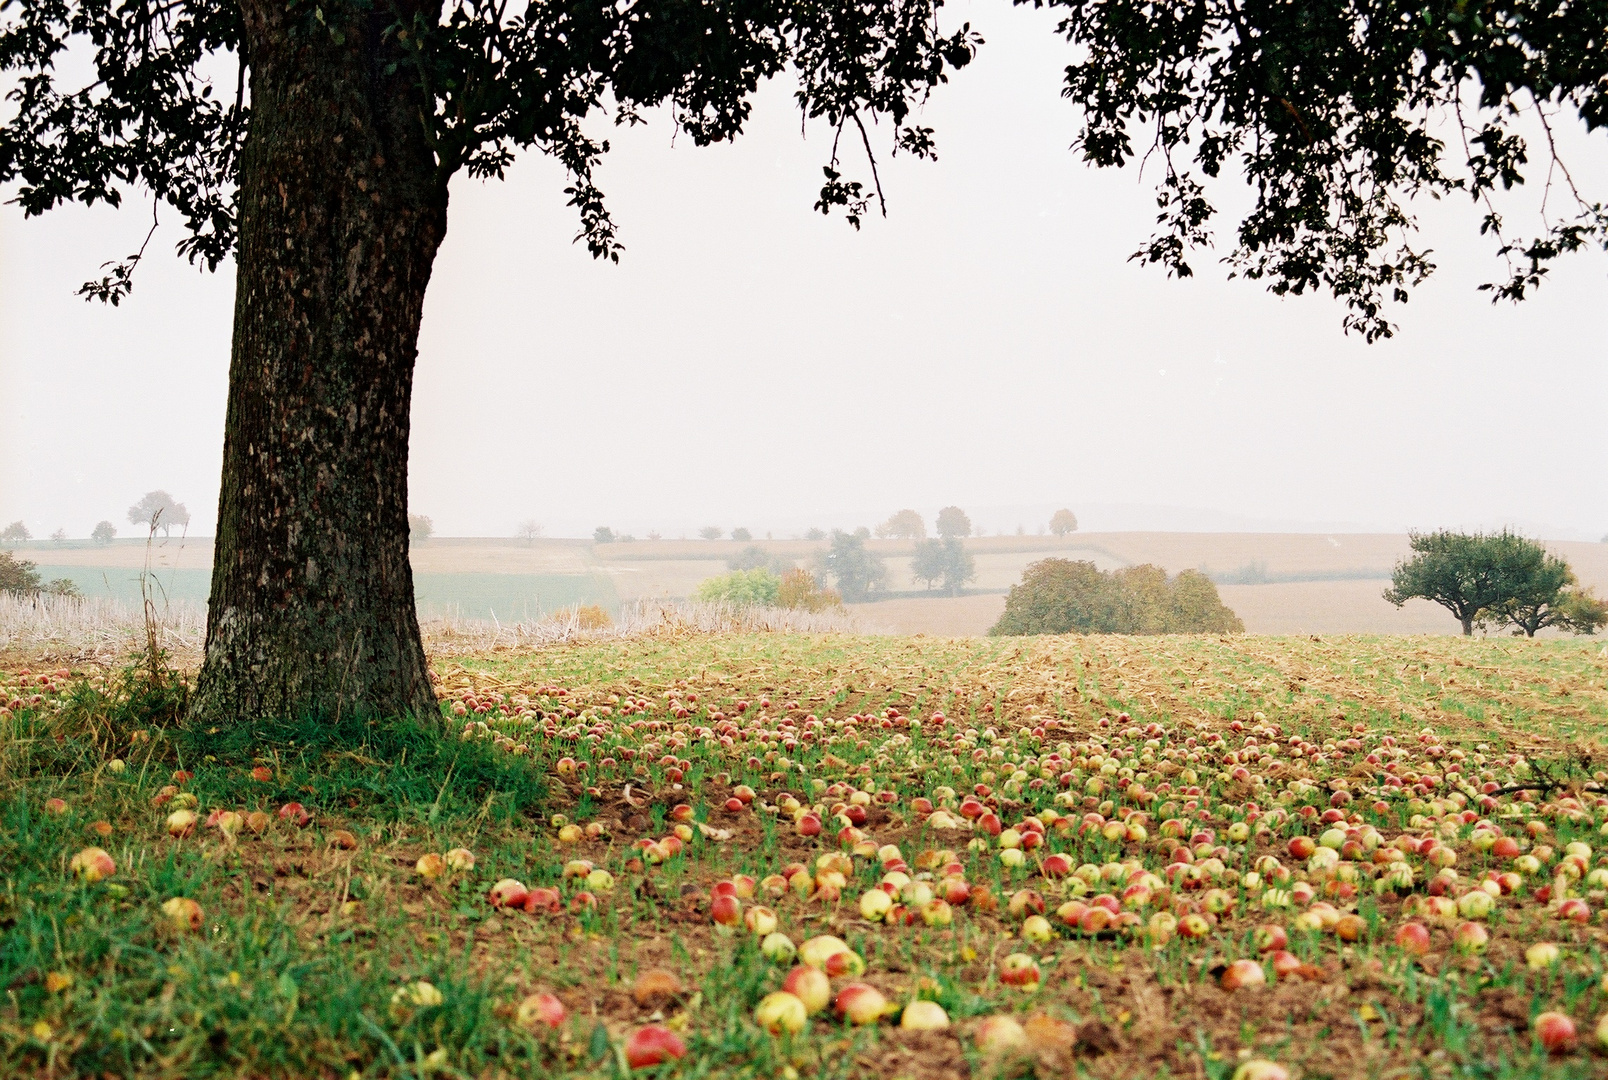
1306, 852
1278, 583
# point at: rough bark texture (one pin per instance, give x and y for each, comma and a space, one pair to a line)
312, 608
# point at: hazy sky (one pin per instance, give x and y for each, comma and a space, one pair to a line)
752, 363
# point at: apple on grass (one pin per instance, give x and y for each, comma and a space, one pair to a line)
810, 986
93, 864
1413, 938
1019, 970
924, 1016
1555, 1032
1243, 974
999, 1034
860, 1004
182, 913
781, 1012
542, 1008
653, 1045
509, 892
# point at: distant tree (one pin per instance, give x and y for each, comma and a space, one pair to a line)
1063, 523
858, 573
59, 536
741, 534
905, 525
17, 576
655, 535
1060, 596
1550, 597
928, 562
711, 532
528, 530
159, 510
800, 590
959, 566
1470, 574
754, 557
104, 533
952, 521
420, 528
603, 535
814, 533
744, 588
15, 533
1196, 607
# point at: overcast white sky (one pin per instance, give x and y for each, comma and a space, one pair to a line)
752, 363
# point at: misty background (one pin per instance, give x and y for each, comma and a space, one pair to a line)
751, 363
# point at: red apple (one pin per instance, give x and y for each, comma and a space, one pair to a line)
810, 986
860, 1004
1555, 1032
653, 1045
1019, 969
1413, 938
999, 1034
92, 864
509, 892
541, 1009
1271, 937
295, 813
1242, 974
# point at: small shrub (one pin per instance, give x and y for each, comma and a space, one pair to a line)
801, 592
592, 617
743, 588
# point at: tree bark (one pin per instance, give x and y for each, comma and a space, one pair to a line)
341, 213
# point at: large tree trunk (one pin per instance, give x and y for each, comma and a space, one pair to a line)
341, 213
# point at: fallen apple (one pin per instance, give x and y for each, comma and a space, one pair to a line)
183, 913
781, 1012
509, 892
810, 986
860, 1004
541, 1008
922, 1015
1555, 1032
92, 864
653, 1045
1242, 974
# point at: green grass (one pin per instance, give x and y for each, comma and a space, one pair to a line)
304, 944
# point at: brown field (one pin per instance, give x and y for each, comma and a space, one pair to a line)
1337, 577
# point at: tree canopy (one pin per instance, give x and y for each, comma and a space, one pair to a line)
1337, 116
159, 510
1063, 596
953, 522
945, 560
1495, 579
857, 572
904, 525
1063, 523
